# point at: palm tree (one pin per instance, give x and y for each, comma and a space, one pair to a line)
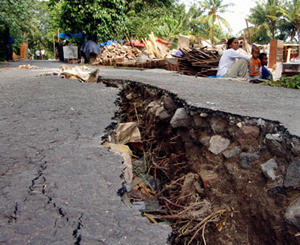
180, 22
212, 18
292, 13
266, 14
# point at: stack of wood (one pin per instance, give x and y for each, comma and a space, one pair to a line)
117, 54
199, 62
154, 48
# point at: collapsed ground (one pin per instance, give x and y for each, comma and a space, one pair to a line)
217, 178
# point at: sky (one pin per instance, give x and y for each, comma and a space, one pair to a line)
235, 18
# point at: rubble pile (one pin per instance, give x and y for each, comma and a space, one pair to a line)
117, 54
150, 53
217, 178
199, 62
81, 73
28, 67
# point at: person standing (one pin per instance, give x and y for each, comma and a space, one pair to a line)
8, 40
43, 53
232, 62
37, 54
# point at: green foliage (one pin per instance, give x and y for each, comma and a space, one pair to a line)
212, 18
38, 21
99, 20
275, 19
286, 31
27, 20
162, 21
17, 15
291, 12
265, 15
287, 82
171, 22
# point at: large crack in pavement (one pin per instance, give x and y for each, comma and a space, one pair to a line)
225, 178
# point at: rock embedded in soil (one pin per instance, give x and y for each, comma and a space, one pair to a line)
247, 159
276, 137
292, 177
169, 104
218, 125
200, 122
268, 169
229, 153
163, 114
247, 134
207, 177
180, 119
292, 215
217, 144
275, 148
205, 140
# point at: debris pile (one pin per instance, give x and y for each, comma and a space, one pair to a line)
117, 54
156, 48
217, 178
81, 73
199, 62
28, 67
150, 53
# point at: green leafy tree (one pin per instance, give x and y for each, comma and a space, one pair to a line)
159, 17
286, 31
164, 22
17, 15
137, 6
212, 18
291, 12
24, 20
99, 20
265, 16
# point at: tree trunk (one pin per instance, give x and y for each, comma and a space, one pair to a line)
273, 29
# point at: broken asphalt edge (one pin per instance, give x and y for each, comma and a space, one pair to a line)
120, 83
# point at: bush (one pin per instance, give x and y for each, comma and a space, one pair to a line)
287, 82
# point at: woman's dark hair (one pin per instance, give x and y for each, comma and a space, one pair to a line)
230, 40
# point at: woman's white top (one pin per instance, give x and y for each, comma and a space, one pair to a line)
227, 60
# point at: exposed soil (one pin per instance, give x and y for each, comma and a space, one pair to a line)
208, 196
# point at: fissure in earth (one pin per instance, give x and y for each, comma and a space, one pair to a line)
215, 177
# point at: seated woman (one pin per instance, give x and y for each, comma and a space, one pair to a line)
233, 63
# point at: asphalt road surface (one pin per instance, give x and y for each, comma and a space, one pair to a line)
58, 185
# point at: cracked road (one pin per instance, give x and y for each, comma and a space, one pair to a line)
58, 185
